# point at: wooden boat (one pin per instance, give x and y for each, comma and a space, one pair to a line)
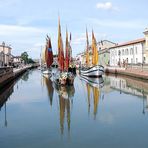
48, 58
95, 82
92, 69
63, 77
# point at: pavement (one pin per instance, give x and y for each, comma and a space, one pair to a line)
132, 72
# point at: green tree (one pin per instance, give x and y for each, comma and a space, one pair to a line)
24, 56
30, 61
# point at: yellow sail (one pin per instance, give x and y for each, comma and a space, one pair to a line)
43, 55
87, 49
95, 57
96, 99
88, 96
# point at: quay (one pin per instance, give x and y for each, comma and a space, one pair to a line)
8, 74
135, 71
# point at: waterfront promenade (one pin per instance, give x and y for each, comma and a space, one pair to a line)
7, 74
136, 72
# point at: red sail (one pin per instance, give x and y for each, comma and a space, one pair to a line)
60, 49
49, 54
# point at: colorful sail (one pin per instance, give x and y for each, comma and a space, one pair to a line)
94, 50
96, 100
87, 49
60, 49
48, 53
66, 52
70, 50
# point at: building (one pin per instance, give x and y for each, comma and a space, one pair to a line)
132, 52
103, 51
17, 61
5, 55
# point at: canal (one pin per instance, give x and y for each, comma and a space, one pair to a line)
34, 113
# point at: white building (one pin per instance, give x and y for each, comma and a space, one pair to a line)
132, 52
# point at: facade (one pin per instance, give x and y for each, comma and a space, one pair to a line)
132, 52
5, 55
103, 51
17, 61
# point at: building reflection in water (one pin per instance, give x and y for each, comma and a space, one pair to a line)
65, 94
7, 91
5, 94
131, 86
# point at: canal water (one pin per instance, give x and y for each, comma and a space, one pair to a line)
34, 113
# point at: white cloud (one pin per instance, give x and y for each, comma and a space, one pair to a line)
106, 6
128, 24
18, 30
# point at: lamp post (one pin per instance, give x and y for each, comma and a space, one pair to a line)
3, 45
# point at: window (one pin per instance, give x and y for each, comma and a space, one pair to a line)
127, 51
122, 51
119, 52
131, 51
136, 50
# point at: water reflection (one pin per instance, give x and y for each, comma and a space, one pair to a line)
65, 94
93, 86
130, 86
5, 94
50, 88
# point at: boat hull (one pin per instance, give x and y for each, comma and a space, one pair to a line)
95, 71
95, 82
63, 78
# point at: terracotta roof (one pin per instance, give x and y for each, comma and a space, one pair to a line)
129, 43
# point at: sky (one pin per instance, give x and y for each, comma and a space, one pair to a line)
24, 24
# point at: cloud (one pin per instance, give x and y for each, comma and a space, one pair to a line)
18, 30
106, 6
127, 24
5, 3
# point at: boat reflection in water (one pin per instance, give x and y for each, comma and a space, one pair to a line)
93, 86
50, 88
65, 94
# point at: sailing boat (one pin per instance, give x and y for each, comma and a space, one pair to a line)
92, 69
48, 57
63, 77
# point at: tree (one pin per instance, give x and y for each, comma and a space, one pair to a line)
30, 61
24, 56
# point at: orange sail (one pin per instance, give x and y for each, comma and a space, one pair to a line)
60, 49
87, 49
94, 50
67, 53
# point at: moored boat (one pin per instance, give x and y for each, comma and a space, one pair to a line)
94, 71
63, 77
48, 58
92, 68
